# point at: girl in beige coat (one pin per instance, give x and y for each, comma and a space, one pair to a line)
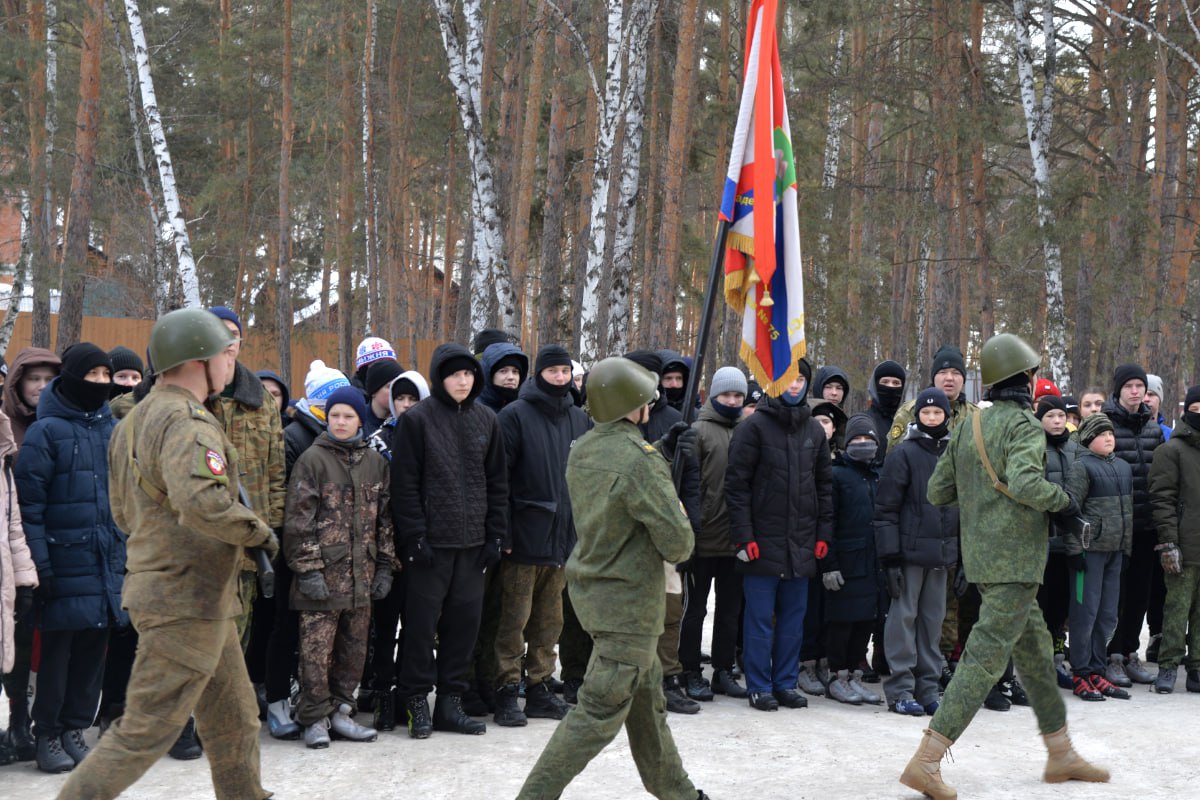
16, 567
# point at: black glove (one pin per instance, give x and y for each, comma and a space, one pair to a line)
1066, 518
23, 608
683, 566
45, 589
382, 583
895, 582
312, 585
489, 556
680, 439
961, 584
418, 553
1077, 562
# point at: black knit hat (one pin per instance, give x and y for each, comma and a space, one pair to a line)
948, 357
1070, 404
646, 358
124, 358
805, 370
888, 369
861, 425
1124, 374
488, 336
551, 355
380, 374
932, 396
1192, 396
1048, 403
78, 361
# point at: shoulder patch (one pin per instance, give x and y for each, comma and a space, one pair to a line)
896, 431
649, 448
214, 462
198, 411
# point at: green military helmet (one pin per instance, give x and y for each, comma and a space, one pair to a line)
187, 334
617, 386
1005, 355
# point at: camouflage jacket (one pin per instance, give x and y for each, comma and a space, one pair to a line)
187, 530
338, 521
1003, 540
960, 410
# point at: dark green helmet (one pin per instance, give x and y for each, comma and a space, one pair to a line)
617, 386
187, 334
1005, 355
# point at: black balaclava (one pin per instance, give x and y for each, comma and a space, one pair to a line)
933, 396
79, 360
503, 392
551, 355
861, 452
888, 398
1192, 418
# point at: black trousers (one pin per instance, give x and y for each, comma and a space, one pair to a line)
70, 675
283, 642
704, 572
812, 646
1142, 571
443, 603
380, 671
16, 683
118, 664
846, 643
262, 620
1054, 596
574, 644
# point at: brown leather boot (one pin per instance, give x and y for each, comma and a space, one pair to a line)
1064, 764
924, 772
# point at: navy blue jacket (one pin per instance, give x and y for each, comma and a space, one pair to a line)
907, 526
62, 484
852, 550
490, 395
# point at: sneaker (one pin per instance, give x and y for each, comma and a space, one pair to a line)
996, 701
316, 736
723, 682
840, 689
555, 684
946, 677
51, 757
868, 696
542, 703
790, 698
416, 708
1115, 672
696, 687
1015, 692
385, 712
822, 672
8, 753
1061, 673
1136, 672
1084, 690
75, 747
1153, 647
1108, 689
908, 707
260, 697
1193, 680
343, 726
570, 691
677, 701
187, 746
448, 715
931, 708
279, 721
1165, 682
808, 682
763, 701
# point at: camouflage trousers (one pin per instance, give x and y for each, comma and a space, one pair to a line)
668, 642
1010, 625
181, 664
961, 614
247, 593
1181, 620
530, 612
333, 649
623, 686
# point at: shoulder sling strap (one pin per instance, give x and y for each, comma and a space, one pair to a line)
999, 485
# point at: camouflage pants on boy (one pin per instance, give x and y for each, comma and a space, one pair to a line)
530, 611
1181, 621
333, 649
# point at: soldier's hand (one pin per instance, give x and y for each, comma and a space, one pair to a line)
271, 545
312, 585
833, 580
679, 440
1168, 554
381, 586
961, 584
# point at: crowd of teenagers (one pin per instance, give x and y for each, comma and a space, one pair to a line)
425, 521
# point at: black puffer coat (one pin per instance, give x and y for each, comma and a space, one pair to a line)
1137, 435
779, 489
298, 437
538, 432
852, 551
1060, 457
452, 487
907, 525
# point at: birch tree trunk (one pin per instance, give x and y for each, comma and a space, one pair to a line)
20, 270
1039, 120
188, 280
835, 121
283, 270
488, 259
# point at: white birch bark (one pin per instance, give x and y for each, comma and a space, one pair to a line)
1039, 121
640, 22
188, 279
371, 212
159, 273
489, 265
20, 270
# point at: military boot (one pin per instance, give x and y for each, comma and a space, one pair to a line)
279, 721
696, 687
1153, 648
343, 726
385, 712
1064, 764
1165, 682
51, 757
542, 703
316, 736
474, 704
7, 754
808, 682
448, 715
856, 683
571, 688
508, 710
1136, 672
841, 690
416, 708
187, 747
677, 701
723, 682
74, 745
20, 729
923, 773
1192, 682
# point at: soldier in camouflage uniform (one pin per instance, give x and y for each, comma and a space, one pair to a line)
629, 522
173, 488
1005, 530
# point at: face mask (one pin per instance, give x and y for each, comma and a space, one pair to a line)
728, 412
1192, 418
117, 390
504, 393
862, 452
889, 397
675, 395
937, 431
792, 400
85, 395
550, 388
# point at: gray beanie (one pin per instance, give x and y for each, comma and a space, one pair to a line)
1154, 385
727, 379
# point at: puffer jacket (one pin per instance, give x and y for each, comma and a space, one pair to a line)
852, 551
452, 485
20, 414
1059, 459
16, 565
1138, 436
299, 436
1103, 488
1175, 492
338, 522
62, 481
539, 431
713, 435
779, 489
907, 526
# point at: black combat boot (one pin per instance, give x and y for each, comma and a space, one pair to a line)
571, 688
7, 754
187, 746
20, 729
677, 701
417, 710
696, 687
508, 710
542, 703
448, 715
385, 712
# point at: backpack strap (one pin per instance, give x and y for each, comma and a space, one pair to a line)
152, 491
999, 485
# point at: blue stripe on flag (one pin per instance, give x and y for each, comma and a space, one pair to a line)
781, 346
728, 198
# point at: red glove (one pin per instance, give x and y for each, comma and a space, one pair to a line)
821, 550
747, 552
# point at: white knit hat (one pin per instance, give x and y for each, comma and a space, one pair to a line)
576, 368
321, 382
727, 379
372, 349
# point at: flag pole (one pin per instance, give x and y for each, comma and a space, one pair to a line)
715, 270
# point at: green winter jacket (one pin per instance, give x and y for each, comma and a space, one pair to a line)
1003, 540
629, 521
714, 433
1175, 492
1103, 488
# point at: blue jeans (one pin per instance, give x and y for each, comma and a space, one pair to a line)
773, 627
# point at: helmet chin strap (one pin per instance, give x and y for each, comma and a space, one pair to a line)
208, 380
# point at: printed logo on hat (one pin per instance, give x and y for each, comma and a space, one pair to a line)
372, 349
